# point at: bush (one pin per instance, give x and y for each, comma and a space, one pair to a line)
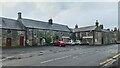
47, 39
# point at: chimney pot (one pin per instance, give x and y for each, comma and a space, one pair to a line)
50, 21
19, 15
97, 23
76, 26
108, 29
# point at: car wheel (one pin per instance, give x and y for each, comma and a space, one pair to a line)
63, 45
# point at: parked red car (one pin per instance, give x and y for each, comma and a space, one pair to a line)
59, 43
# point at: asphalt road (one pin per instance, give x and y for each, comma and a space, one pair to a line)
66, 56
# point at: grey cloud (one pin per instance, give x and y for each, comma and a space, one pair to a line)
69, 13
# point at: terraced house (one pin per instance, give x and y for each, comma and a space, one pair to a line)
94, 35
28, 32
12, 32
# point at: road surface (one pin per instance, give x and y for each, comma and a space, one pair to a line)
67, 56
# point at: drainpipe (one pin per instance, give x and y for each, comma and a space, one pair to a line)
102, 40
93, 37
32, 37
26, 38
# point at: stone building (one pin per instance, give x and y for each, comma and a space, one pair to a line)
94, 35
89, 34
29, 32
12, 32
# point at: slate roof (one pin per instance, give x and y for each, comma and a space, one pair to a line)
72, 29
43, 25
87, 28
105, 30
10, 24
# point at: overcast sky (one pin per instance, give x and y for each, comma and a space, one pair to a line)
67, 13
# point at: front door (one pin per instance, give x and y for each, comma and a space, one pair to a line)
8, 42
21, 41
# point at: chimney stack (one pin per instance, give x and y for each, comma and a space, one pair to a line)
97, 23
108, 29
101, 26
50, 21
19, 15
115, 29
76, 26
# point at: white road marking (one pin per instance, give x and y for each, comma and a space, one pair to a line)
84, 53
61, 58
75, 57
81, 53
10, 57
65, 57
47, 61
55, 59
110, 63
3, 59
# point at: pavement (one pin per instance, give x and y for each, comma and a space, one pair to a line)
59, 56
